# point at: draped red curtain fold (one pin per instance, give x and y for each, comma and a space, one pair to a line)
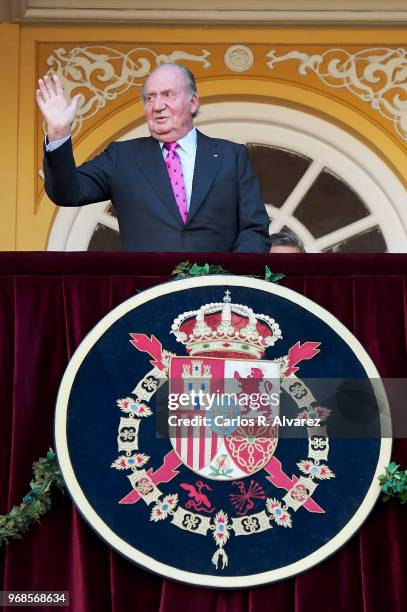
49, 301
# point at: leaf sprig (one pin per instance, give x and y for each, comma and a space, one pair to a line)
393, 483
272, 277
36, 503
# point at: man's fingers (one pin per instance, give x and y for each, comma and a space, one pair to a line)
58, 86
74, 103
40, 100
49, 87
43, 90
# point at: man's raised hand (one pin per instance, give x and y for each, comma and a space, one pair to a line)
58, 114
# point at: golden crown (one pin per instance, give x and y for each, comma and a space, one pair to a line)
223, 329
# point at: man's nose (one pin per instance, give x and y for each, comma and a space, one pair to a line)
159, 103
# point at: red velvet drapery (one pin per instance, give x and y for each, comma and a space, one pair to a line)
49, 301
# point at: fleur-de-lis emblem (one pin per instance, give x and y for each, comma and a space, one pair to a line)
318, 443
144, 486
299, 493
191, 522
298, 390
127, 434
150, 384
251, 524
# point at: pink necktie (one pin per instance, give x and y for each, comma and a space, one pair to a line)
173, 163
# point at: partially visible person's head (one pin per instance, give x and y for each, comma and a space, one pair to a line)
170, 102
286, 242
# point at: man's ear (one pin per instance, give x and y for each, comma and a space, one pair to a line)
194, 103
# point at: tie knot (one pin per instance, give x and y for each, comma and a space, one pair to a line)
171, 146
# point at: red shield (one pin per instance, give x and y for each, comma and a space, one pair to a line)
221, 424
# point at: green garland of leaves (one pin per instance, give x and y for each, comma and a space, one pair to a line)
187, 270
20, 519
47, 475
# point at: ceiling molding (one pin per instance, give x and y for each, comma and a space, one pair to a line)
264, 12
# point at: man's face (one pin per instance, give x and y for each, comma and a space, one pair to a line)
285, 248
169, 105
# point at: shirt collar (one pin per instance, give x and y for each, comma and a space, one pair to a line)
187, 142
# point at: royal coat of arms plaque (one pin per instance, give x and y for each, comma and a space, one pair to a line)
222, 431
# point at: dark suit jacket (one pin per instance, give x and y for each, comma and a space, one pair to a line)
226, 212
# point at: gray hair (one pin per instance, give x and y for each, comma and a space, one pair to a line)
287, 239
188, 77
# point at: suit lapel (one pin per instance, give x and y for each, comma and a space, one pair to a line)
150, 159
207, 163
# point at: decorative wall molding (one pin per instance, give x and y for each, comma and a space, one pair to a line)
100, 74
239, 58
377, 76
263, 12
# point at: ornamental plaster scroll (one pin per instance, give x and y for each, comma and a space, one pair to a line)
377, 76
100, 74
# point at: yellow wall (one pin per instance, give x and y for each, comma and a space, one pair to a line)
27, 214
9, 69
